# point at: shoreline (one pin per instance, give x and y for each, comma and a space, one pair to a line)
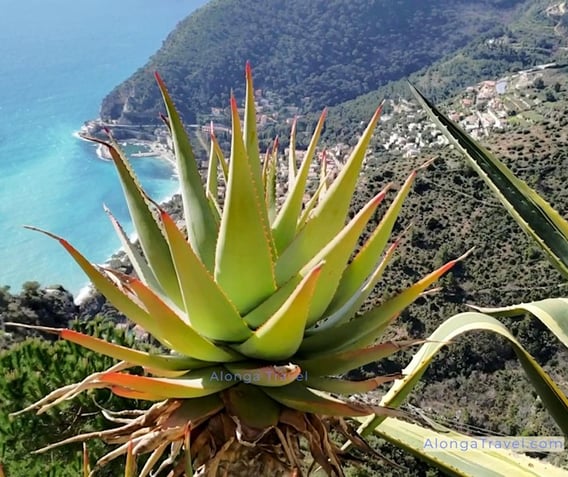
155, 149
117, 259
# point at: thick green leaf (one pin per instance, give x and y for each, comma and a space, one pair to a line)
314, 200
174, 328
336, 255
198, 383
328, 218
112, 293
250, 137
132, 356
347, 386
212, 169
354, 303
323, 174
270, 182
534, 214
208, 309
244, 266
344, 361
150, 235
292, 164
281, 335
284, 227
272, 304
201, 224
366, 329
220, 157
299, 397
139, 264
366, 259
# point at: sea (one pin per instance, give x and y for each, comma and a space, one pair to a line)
58, 59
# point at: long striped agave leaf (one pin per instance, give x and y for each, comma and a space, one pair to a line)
553, 312
551, 395
536, 216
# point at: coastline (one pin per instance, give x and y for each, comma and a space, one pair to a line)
149, 149
119, 259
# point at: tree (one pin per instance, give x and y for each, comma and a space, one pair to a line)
36, 366
539, 84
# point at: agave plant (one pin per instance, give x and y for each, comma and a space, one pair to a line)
549, 230
256, 295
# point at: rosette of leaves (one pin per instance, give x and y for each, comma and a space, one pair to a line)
256, 296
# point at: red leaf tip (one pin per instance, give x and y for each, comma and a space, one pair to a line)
164, 215
378, 111
379, 197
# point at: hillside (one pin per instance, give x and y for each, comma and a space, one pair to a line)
477, 385
535, 35
311, 54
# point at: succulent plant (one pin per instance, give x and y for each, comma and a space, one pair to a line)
257, 297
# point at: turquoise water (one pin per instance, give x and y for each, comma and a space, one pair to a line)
58, 59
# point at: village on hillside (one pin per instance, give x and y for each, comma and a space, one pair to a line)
487, 107
482, 109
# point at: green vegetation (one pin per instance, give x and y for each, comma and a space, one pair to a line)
309, 54
34, 367
52, 306
527, 38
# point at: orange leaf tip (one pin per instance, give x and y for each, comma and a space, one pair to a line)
448, 266
234, 107
159, 79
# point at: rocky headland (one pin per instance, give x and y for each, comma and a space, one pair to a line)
123, 131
